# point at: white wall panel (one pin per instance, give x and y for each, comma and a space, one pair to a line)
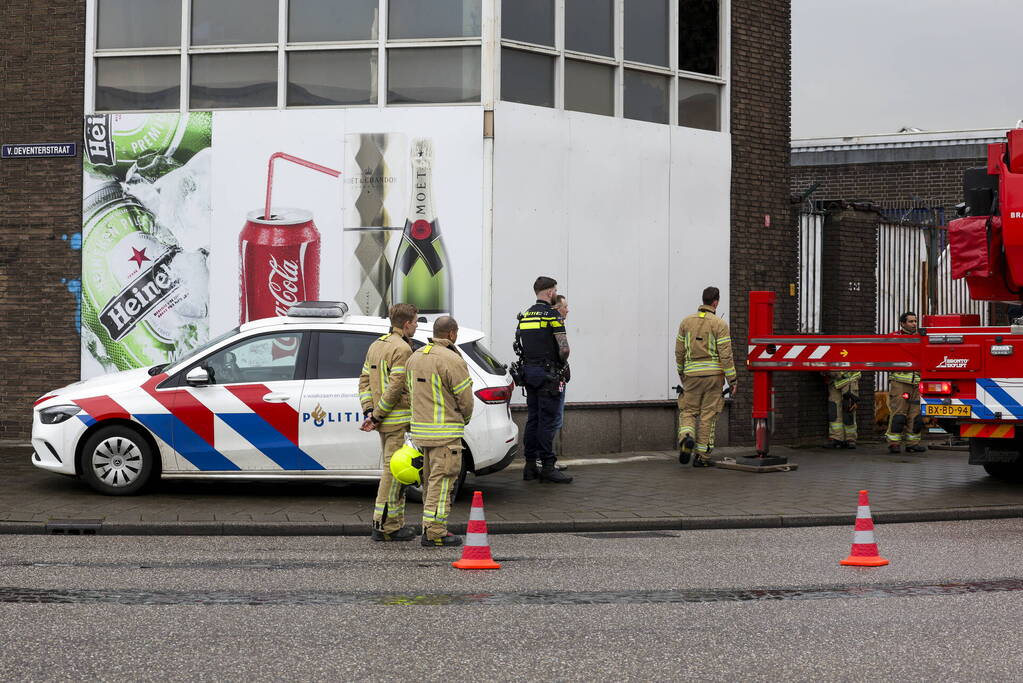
632, 220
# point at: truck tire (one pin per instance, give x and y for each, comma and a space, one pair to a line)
1005, 471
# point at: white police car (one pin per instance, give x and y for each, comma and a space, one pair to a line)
274, 399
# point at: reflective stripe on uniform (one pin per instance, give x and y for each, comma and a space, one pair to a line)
461, 386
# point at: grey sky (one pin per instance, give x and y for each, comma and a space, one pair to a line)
874, 66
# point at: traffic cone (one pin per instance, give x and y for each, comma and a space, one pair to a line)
864, 547
476, 551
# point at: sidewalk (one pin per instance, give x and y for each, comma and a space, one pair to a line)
625, 492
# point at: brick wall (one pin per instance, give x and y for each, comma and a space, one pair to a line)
42, 62
762, 258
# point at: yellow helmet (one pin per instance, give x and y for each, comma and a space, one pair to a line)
406, 464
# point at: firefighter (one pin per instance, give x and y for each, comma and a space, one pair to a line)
440, 391
843, 397
703, 354
905, 424
386, 409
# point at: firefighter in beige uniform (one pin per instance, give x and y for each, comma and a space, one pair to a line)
703, 354
440, 391
905, 423
843, 396
386, 409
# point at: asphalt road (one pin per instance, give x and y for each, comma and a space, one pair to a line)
634, 606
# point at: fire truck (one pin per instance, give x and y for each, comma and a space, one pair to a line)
971, 375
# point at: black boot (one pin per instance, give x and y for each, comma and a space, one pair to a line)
916, 448
406, 533
449, 540
850, 445
554, 475
685, 450
531, 471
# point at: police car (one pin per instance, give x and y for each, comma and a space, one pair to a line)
274, 399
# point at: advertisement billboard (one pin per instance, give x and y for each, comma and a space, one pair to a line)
195, 223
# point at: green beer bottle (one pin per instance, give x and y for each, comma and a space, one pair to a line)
130, 284
421, 273
154, 143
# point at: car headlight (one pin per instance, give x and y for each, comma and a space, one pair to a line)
57, 414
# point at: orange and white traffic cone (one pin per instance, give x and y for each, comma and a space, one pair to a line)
476, 551
864, 547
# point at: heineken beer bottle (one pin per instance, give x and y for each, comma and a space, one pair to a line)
134, 286
421, 273
151, 144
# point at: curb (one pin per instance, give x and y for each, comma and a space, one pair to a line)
117, 528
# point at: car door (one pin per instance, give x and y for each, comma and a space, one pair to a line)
246, 417
330, 411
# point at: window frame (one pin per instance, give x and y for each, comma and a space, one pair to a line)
301, 362
312, 370
620, 64
282, 47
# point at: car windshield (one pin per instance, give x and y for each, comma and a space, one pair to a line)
202, 348
483, 357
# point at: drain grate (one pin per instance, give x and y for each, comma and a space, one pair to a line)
74, 527
141, 597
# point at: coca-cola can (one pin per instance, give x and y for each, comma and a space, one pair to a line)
279, 260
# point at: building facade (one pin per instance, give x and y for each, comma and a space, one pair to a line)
636, 150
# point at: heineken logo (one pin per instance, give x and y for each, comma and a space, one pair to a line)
99, 145
140, 296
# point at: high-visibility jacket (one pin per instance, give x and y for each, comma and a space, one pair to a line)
440, 390
703, 346
841, 380
382, 382
535, 332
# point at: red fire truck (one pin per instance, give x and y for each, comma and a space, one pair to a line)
971, 376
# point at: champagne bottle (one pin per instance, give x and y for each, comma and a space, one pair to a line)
421, 273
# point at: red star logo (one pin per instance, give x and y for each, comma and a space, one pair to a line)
139, 256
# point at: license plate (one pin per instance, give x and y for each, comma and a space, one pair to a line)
939, 410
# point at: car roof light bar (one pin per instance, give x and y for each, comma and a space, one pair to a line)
318, 309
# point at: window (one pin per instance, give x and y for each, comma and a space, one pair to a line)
590, 26
267, 358
433, 74
320, 21
698, 36
527, 77
241, 79
340, 355
232, 54
138, 83
528, 21
483, 357
699, 104
616, 58
329, 77
234, 22
589, 87
122, 24
646, 31
646, 96
422, 19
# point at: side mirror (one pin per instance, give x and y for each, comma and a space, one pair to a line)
197, 377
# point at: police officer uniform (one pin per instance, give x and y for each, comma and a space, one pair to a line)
843, 395
542, 369
383, 397
440, 391
703, 355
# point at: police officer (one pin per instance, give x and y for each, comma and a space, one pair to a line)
542, 346
904, 421
440, 391
385, 407
703, 354
843, 397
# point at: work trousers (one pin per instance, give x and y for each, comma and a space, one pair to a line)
841, 422
700, 405
904, 420
543, 405
441, 467
389, 514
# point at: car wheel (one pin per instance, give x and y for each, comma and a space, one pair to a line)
117, 461
415, 493
1006, 471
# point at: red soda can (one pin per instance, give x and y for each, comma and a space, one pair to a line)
279, 261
